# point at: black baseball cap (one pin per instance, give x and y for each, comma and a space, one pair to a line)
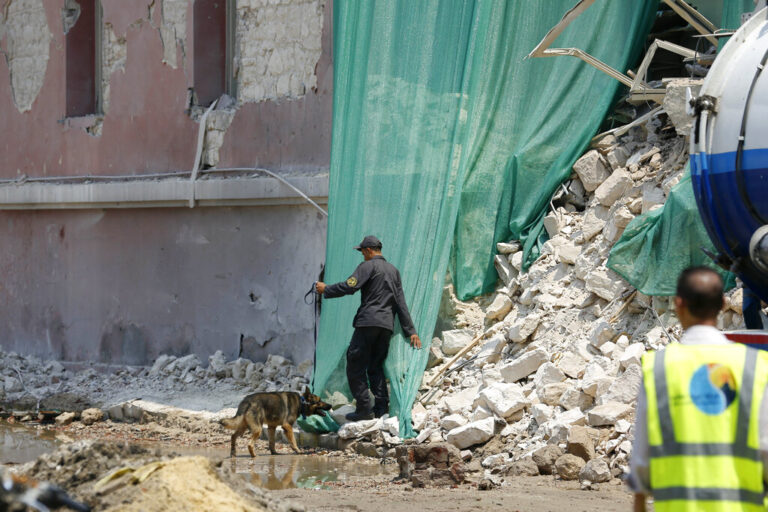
369, 241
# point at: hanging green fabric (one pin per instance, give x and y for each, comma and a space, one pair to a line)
659, 244
437, 117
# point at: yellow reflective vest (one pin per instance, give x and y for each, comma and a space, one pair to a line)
703, 434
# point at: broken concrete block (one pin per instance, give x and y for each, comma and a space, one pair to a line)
491, 350
356, 429
605, 283
480, 413
545, 458
591, 169
626, 386
91, 416
462, 400
622, 426
65, 418
524, 365
594, 222
504, 269
551, 393
602, 333
473, 433
542, 413
507, 248
524, 467
573, 365
581, 442
499, 308
615, 226
568, 252
632, 355
504, 399
608, 349
608, 414
614, 187
617, 157
604, 143
547, 373
568, 466
675, 103
595, 471
454, 341
435, 357
570, 418
573, 398
523, 327
553, 223
160, 363
592, 377
516, 260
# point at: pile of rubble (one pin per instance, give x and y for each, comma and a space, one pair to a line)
554, 371
28, 383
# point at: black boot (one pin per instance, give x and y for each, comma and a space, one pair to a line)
359, 415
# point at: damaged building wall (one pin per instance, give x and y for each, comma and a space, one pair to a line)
125, 285
128, 285
280, 119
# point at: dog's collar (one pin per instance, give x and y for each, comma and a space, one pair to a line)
303, 408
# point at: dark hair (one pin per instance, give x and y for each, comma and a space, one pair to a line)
702, 294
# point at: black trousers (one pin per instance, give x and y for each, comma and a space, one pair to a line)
365, 358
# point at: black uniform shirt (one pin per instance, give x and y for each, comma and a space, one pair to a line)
382, 295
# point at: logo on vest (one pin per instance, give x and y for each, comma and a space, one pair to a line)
712, 388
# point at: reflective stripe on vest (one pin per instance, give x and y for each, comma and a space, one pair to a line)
727, 475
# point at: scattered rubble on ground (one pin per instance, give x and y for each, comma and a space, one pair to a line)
106, 476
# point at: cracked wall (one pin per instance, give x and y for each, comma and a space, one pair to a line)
27, 49
278, 47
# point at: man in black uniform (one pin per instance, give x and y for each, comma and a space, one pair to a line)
382, 297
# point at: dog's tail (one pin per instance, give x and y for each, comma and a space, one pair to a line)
231, 423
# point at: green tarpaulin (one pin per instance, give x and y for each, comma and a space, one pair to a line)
444, 136
658, 245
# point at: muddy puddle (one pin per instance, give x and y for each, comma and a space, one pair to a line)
20, 443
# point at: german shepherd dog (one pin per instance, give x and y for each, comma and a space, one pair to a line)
278, 409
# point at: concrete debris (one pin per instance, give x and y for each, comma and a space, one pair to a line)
569, 466
454, 341
568, 372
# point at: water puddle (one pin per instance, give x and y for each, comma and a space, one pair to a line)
21, 443
275, 472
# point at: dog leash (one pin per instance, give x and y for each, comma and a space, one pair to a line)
312, 298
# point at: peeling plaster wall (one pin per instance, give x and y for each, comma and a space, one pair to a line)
279, 45
173, 29
114, 55
26, 49
124, 286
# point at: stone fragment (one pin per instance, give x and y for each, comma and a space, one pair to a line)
595, 471
466, 455
495, 461
453, 421
65, 418
615, 186
462, 400
504, 269
91, 416
623, 426
573, 365
591, 169
455, 340
568, 252
545, 458
571, 417
608, 349
573, 398
358, 428
594, 222
340, 415
605, 283
435, 357
541, 413
501, 305
507, 248
675, 103
633, 354
602, 332
480, 413
626, 386
553, 223
523, 327
160, 363
476, 432
614, 228
12, 385
524, 365
524, 467
568, 466
617, 157
491, 350
653, 196
591, 379
608, 414
504, 399
581, 443
551, 393
547, 373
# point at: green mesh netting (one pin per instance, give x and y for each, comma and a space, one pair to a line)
659, 244
444, 135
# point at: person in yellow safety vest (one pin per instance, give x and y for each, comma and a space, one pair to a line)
701, 430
